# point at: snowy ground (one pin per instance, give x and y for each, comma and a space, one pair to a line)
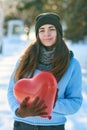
11, 52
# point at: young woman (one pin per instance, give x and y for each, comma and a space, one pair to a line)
50, 53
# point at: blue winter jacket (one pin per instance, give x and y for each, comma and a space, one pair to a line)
69, 97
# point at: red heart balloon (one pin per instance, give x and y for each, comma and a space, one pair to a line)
43, 85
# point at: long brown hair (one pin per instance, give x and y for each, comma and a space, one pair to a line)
29, 60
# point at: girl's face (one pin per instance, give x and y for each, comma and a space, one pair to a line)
47, 35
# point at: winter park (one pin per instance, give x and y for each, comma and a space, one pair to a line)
12, 46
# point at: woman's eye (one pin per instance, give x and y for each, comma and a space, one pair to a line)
41, 31
49, 30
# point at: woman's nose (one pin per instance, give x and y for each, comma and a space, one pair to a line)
47, 33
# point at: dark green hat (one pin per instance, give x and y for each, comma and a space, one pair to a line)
48, 18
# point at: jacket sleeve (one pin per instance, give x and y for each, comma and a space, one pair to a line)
72, 100
10, 93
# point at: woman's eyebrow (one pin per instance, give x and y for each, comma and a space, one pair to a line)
41, 28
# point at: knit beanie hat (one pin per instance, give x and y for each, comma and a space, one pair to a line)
48, 18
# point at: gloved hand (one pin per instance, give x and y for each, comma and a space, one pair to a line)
37, 108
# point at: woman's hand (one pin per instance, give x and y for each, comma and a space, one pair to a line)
37, 108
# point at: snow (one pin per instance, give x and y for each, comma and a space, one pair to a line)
11, 52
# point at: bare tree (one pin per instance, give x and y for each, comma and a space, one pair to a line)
1, 24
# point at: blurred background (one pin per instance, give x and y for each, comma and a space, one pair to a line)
17, 19
72, 12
